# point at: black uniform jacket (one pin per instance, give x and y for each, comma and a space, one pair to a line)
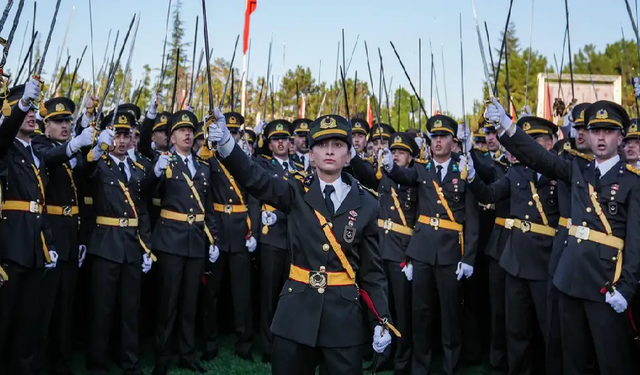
526, 254
585, 266
61, 193
392, 245
303, 315
20, 231
431, 244
114, 243
181, 237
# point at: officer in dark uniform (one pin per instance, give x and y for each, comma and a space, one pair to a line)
237, 222
332, 237
597, 273
396, 220
198, 138
251, 137
448, 220
301, 143
180, 239
26, 246
359, 133
479, 139
119, 246
274, 255
379, 135
58, 285
532, 221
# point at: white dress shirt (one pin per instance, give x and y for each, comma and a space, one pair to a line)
445, 167
127, 170
188, 161
305, 157
282, 161
605, 166
36, 161
340, 193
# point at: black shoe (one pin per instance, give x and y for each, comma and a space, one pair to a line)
266, 358
246, 356
193, 367
209, 356
160, 370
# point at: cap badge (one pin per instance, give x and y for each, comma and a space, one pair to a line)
397, 139
163, 118
358, 125
526, 126
304, 125
122, 119
233, 120
602, 114
437, 124
59, 107
481, 131
279, 127
328, 123
185, 117
633, 128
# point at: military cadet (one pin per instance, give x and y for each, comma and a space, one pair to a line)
318, 318
250, 137
154, 138
301, 134
379, 135
185, 227
597, 273
359, 133
119, 245
632, 143
58, 285
532, 221
443, 246
274, 255
26, 246
479, 138
238, 223
396, 220
198, 138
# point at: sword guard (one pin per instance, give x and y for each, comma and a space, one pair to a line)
3, 42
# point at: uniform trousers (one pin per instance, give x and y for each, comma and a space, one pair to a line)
400, 300
178, 282
292, 358
274, 271
498, 345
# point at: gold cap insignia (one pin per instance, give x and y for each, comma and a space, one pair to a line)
328, 123
304, 125
358, 125
59, 107
581, 116
122, 120
185, 117
567, 146
279, 127
526, 126
602, 114
397, 139
481, 132
163, 118
233, 120
437, 124
633, 128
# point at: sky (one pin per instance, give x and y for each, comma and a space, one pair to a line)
308, 32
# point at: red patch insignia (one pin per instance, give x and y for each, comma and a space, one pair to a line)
554, 182
353, 213
615, 187
455, 181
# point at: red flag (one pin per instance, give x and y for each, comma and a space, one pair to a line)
251, 6
303, 107
369, 112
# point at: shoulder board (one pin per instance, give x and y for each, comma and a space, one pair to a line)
265, 156
369, 159
143, 157
421, 161
364, 188
104, 157
138, 165
580, 154
300, 175
633, 169
308, 180
500, 162
204, 162
481, 149
298, 165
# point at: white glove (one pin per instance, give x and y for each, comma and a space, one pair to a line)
221, 124
84, 139
82, 253
146, 263
161, 164
106, 137
352, 152
54, 260
387, 159
269, 218
214, 253
381, 339
85, 121
636, 86
408, 270
466, 161
525, 111
31, 91
464, 269
259, 128
156, 98
251, 244
496, 114
419, 141
617, 301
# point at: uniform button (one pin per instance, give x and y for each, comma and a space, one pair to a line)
518, 184
584, 223
325, 247
437, 215
230, 200
323, 269
526, 217
330, 225
530, 203
38, 200
565, 243
439, 201
424, 182
290, 290
230, 187
578, 240
614, 259
588, 209
191, 196
125, 214
191, 210
38, 217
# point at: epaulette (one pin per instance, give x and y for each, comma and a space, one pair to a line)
138, 165
298, 165
370, 159
144, 157
580, 154
481, 149
308, 180
203, 162
633, 169
364, 188
500, 162
421, 161
265, 156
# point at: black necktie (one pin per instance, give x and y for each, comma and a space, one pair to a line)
122, 170
439, 173
302, 160
285, 165
598, 175
30, 153
186, 163
328, 189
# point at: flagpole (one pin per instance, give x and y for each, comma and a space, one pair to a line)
244, 83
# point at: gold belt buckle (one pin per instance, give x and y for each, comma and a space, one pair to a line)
388, 224
66, 211
191, 218
508, 223
582, 233
33, 207
434, 222
228, 209
123, 222
318, 280
525, 226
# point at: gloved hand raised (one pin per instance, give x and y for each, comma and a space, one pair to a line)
84, 139
161, 164
466, 161
495, 113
